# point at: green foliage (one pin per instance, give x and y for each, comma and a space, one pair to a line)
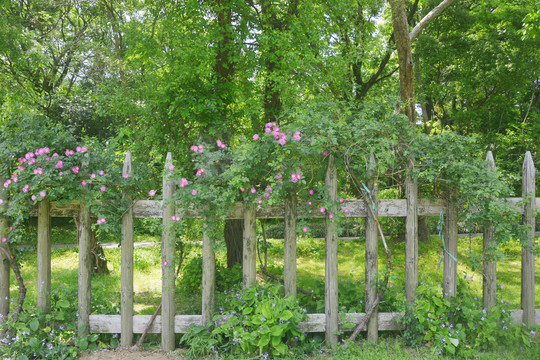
90, 174
460, 326
191, 276
46, 336
253, 321
450, 166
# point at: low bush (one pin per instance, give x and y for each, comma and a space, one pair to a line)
45, 336
191, 278
253, 321
460, 326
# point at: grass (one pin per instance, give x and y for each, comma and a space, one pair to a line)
310, 263
147, 277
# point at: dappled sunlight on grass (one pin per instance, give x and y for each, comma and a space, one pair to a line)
310, 271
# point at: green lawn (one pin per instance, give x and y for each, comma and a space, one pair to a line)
147, 283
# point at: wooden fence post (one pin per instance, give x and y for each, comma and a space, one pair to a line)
44, 257
450, 244
289, 246
126, 266
4, 261
250, 246
208, 280
411, 236
167, 266
85, 248
372, 257
489, 268
331, 260
527, 257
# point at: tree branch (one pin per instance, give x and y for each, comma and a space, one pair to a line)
429, 17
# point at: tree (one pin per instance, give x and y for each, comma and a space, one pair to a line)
403, 39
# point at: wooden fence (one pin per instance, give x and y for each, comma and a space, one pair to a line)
168, 323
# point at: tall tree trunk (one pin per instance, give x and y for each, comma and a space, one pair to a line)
406, 64
233, 232
224, 71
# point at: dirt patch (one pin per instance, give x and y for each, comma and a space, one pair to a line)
126, 354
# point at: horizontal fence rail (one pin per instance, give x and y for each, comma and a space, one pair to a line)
145, 209
110, 324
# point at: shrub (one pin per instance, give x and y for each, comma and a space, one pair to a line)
45, 336
191, 279
253, 321
459, 326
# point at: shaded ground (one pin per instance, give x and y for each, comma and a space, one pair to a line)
125, 354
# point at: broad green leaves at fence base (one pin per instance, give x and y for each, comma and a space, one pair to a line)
459, 326
257, 320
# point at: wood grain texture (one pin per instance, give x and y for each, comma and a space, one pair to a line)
527, 256
249, 256
289, 246
126, 263
143, 209
167, 262
450, 242
43, 290
372, 257
411, 237
489, 268
85, 248
208, 280
110, 324
331, 308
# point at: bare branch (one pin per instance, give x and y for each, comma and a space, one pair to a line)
429, 17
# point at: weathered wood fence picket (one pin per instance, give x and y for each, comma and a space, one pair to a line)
168, 323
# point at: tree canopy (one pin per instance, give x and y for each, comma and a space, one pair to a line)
160, 76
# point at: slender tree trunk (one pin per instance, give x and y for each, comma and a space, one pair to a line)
406, 64
233, 233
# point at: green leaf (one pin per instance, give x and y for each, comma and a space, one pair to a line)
276, 330
282, 348
60, 316
34, 324
287, 314
451, 349
276, 340
265, 339
63, 303
247, 310
33, 342
82, 344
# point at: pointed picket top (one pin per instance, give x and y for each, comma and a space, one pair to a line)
128, 167
528, 174
528, 165
490, 160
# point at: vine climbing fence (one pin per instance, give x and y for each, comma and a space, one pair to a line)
169, 323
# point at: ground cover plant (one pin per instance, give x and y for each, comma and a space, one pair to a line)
106, 295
